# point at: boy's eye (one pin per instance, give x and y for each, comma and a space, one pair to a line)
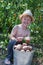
24, 18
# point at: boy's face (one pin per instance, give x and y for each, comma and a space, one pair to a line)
26, 20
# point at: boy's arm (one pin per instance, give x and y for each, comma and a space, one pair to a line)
13, 33
27, 38
28, 35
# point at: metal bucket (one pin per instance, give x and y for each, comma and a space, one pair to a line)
22, 57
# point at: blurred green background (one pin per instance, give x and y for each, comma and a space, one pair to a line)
9, 12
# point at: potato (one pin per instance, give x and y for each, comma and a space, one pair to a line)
25, 48
24, 44
22, 50
19, 46
15, 46
30, 48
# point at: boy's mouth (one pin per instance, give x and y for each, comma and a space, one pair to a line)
25, 25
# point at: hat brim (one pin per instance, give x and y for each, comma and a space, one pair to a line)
32, 18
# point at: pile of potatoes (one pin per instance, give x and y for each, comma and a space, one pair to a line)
23, 47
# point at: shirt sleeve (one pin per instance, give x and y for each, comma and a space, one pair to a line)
28, 33
14, 31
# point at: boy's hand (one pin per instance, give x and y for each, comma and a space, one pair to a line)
13, 38
27, 39
19, 38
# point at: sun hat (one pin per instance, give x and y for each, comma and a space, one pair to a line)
27, 12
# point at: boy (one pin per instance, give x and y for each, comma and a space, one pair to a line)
17, 32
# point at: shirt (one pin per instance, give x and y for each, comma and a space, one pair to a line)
18, 31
